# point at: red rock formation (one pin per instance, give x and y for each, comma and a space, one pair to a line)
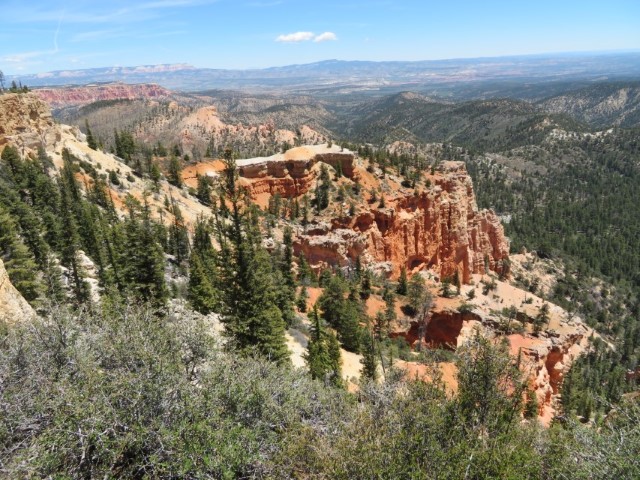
442, 331
549, 360
75, 96
440, 228
291, 174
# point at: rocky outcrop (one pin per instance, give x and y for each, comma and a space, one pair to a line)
446, 329
26, 122
77, 96
548, 360
292, 173
440, 228
13, 307
323, 245
544, 358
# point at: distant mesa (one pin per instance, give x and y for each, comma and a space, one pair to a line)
78, 96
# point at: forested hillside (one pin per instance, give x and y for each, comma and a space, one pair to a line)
163, 345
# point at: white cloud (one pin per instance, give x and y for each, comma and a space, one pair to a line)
326, 36
306, 37
295, 37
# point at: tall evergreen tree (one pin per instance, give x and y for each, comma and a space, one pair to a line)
202, 292
390, 303
204, 189
253, 322
332, 300
143, 270
69, 254
19, 262
349, 331
403, 282
11, 158
365, 284
301, 301
369, 358
323, 352
156, 175
91, 141
175, 168
287, 258
286, 293
178, 236
322, 189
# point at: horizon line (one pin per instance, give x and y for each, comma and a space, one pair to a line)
247, 69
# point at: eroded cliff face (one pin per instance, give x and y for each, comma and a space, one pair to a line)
26, 122
294, 172
439, 228
76, 96
13, 307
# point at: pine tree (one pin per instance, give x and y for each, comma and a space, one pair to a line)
402, 282
301, 301
365, 284
531, 405
287, 257
91, 141
11, 158
124, 145
369, 359
20, 264
156, 175
29, 226
143, 268
357, 269
175, 168
111, 233
118, 146
418, 295
446, 288
348, 326
287, 290
390, 303
202, 292
178, 236
332, 300
305, 210
253, 322
94, 241
204, 189
323, 352
305, 273
69, 254
322, 189
380, 326
335, 358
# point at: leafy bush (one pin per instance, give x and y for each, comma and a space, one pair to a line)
130, 392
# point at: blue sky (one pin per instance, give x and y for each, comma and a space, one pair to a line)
40, 35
